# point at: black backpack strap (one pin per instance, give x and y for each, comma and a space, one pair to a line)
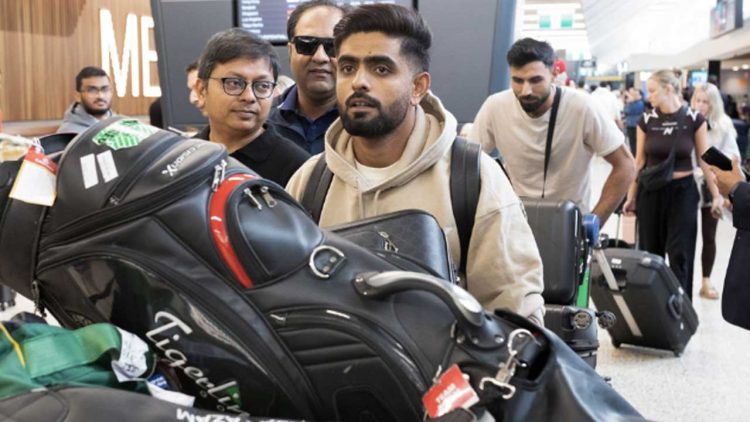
550, 132
317, 189
465, 184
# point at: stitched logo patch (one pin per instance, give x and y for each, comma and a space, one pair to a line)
124, 134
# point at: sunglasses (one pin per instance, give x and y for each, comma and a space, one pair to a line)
309, 45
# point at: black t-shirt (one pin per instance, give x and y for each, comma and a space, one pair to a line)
270, 155
661, 132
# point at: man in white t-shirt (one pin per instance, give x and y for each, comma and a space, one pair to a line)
516, 121
609, 102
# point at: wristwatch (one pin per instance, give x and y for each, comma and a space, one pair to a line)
732, 191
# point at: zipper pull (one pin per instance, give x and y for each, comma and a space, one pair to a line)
249, 194
37, 298
219, 173
270, 201
389, 245
113, 200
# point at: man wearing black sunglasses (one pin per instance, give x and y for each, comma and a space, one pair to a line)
236, 78
304, 111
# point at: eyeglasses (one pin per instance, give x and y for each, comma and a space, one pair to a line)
309, 45
93, 90
236, 86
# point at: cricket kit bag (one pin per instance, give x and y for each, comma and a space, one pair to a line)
258, 310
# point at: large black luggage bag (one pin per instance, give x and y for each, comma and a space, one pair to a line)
256, 308
651, 308
558, 230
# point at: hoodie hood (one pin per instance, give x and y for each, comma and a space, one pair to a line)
432, 137
76, 119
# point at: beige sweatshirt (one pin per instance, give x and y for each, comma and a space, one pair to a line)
504, 267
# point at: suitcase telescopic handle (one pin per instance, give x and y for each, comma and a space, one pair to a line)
463, 305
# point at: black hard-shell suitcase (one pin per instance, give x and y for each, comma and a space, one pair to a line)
651, 308
558, 230
577, 327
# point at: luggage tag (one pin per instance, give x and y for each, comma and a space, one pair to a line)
36, 181
451, 391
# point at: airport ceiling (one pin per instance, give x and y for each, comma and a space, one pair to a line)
619, 29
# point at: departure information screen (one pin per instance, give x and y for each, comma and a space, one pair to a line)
267, 18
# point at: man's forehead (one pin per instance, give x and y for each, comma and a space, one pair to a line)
536, 68
364, 44
95, 81
318, 21
243, 66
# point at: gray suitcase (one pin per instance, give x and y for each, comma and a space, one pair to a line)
651, 308
7, 297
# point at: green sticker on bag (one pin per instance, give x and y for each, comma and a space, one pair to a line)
124, 134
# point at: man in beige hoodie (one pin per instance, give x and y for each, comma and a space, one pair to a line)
391, 148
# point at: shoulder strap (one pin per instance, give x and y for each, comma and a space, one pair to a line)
550, 132
465, 184
317, 188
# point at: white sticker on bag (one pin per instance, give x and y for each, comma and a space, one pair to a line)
132, 361
107, 165
170, 396
88, 169
36, 181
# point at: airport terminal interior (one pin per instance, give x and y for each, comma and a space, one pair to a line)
154, 155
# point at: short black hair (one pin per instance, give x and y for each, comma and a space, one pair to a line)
88, 72
192, 66
528, 50
392, 20
294, 17
235, 43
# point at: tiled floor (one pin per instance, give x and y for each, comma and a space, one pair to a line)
709, 382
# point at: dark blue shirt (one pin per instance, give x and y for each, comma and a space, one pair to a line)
289, 120
633, 112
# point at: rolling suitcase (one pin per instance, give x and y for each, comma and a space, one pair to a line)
576, 327
558, 230
651, 308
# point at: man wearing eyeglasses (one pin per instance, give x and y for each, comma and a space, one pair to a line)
304, 111
93, 101
236, 78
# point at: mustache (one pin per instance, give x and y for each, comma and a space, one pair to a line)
360, 96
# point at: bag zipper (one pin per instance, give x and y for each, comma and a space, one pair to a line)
200, 299
111, 216
136, 170
261, 198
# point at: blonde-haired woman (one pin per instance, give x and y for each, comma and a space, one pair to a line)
707, 101
667, 213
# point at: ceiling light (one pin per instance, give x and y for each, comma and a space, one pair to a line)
735, 68
745, 66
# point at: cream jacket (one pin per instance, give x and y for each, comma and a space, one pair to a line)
504, 267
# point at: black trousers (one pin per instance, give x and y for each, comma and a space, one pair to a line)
632, 138
708, 234
668, 223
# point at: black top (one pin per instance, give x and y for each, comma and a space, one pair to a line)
270, 155
661, 131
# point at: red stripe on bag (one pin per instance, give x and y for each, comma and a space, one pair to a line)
216, 215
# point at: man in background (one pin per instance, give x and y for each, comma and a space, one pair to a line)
634, 109
236, 78
517, 123
93, 101
303, 112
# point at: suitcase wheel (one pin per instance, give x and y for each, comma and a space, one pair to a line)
677, 354
617, 344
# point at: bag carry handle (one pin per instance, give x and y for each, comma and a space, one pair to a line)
378, 285
476, 326
675, 306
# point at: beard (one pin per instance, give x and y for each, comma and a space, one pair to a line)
531, 103
96, 112
385, 122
